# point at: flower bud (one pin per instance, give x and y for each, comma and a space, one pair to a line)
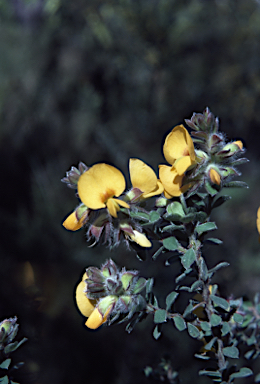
109, 268
230, 149
133, 195
161, 202
8, 329
214, 176
127, 279
139, 285
73, 175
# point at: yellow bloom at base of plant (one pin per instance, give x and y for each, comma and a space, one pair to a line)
171, 181
98, 186
85, 305
179, 150
214, 176
144, 178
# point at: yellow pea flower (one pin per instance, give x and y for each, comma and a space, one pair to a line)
171, 181
98, 186
89, 308
85, 305
179, 150
258, 222
144, 178
76, 219
96, 319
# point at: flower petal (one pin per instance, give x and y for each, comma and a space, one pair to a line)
142, 176
214, 176
96, 319
258, 220
140, 238
182, 164
99, 183
72, 223
171, 180
178, 144
85, 305
158, 190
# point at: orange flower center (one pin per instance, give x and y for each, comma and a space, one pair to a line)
107, 195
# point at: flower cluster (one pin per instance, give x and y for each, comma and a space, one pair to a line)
171, 214
108, 293
110, 212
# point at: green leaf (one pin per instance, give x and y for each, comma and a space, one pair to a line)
170, 299
232, 352
160, 316
188, 310
210, 373
140, 215
210, 189
179, 323
238, 318
188, 258
225, 328
205, 326
236, 184
203, 269
219, 266
157, 253
154, 217
4, 380
203, 357
171, 243
220, 200
156, 333
210, 344
220, 302
197, 284
215, 320
214, 240
243, 372
180, 277
172, 227
175, 209
5, 364
257, 378
193, 331
149, 286
205, 227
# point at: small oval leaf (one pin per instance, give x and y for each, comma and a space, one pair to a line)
179, 323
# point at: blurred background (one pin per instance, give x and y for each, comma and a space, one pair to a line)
102, 81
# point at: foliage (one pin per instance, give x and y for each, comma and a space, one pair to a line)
178, 224
8, 332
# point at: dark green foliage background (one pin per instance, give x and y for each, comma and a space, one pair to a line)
104, 81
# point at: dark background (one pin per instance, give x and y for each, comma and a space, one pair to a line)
102, 81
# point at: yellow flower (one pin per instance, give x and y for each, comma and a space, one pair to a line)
171, 181
179, 150
85, 305
258, 222
88, 307
144, 178
98, 186
76, 219
214, 176
239, 144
